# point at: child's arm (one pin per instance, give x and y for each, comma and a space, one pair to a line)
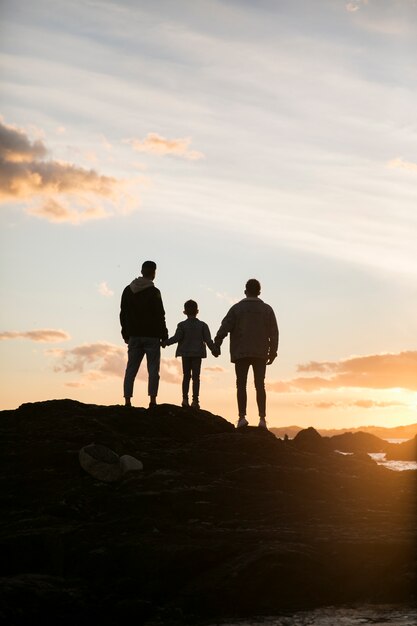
208, 340
179, 334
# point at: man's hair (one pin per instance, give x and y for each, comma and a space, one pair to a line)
191, 307
253, 287
148, 267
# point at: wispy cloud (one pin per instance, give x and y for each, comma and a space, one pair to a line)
155, 144
45, 335
101, 360
68, 193
216, 369
378, 371
400, 163
352, 7
362, 404
105, 290
222, 295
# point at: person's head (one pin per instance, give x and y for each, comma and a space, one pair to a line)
191, 308
149, 269
253, 288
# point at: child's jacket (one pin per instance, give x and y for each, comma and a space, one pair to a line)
192, 336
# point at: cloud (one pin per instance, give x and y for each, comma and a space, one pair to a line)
222, 295
363, 404
216, 369
105, 290
399, 163
68, 193
45, 335
351, 7
102, 360
378, 371
155, 144
15, 147
55, 211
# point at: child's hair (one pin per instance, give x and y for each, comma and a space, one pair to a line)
191, 307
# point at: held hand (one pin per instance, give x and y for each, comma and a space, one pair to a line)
163, 344
271, 359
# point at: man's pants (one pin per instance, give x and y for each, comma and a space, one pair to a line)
137, 348
191, 367
259, 370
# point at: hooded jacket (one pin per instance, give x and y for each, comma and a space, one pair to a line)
253, 330
141, 311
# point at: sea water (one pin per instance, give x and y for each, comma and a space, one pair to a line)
380, 459
336, 616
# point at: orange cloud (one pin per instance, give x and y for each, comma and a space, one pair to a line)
155, 144
45, 335
101, 360
218, 369
402, 164
69, 193
363, 404
55, 211
378, 371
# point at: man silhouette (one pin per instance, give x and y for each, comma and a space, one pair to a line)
254, 338
142, 318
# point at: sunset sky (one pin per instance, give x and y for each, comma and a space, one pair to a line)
225, 140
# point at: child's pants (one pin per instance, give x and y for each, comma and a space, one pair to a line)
191, 367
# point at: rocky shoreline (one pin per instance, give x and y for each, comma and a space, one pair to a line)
219, 523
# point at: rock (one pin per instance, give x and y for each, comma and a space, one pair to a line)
357, 442
130, 464
310, 440
406, 451
101, 462
221, 524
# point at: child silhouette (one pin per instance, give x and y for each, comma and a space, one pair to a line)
192, 336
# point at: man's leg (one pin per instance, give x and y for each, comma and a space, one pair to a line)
259, 370
186, 377
241, 368
195, 372
135, 355
152, 347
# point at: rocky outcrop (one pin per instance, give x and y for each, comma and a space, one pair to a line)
406, 451
218, 523
358, 442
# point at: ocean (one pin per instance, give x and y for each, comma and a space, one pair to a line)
384, 615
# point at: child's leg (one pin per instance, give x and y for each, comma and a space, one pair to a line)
195, 370
186, 370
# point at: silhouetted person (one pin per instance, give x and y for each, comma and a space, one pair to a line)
142, 318
253, 342
192, 336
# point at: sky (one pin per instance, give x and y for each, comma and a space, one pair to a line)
225, 140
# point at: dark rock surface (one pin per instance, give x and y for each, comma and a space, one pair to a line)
406, 451
358, 442
219, 523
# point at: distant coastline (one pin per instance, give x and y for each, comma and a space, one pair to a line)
396, 432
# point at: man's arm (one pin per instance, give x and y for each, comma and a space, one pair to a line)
160, 312
123, 317
273, 337
226, 326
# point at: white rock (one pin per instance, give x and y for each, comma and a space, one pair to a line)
101, 462
130, 464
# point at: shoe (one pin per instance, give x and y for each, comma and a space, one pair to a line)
195, 404
185, 403
152, 405
262, 423
127, 402
242, 422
